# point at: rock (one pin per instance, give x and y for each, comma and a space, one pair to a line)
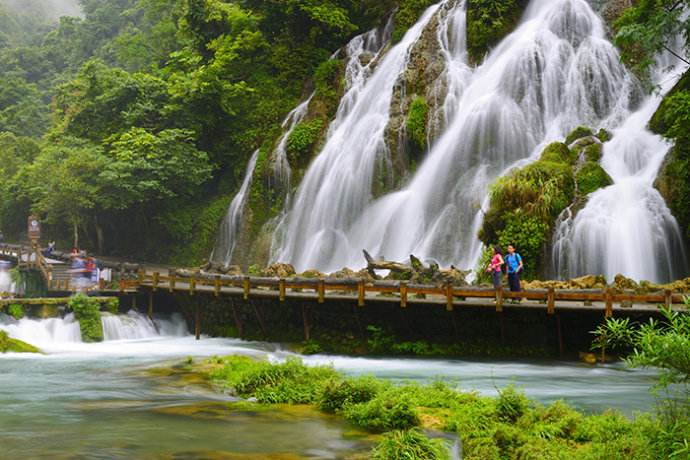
453, 276
344, 273
279, 271
589, 358
621, 283
311, 274
588, 282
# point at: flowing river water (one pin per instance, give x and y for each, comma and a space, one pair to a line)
101, 400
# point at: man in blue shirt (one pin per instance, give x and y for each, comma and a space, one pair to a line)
514, 264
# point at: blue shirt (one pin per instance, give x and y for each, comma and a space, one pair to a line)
513, 262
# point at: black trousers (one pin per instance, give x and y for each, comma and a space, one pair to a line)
514, 282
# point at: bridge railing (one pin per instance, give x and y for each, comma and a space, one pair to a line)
399, 291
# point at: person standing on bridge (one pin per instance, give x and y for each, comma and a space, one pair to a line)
515, 267
495, 267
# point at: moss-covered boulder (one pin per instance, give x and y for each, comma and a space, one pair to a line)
10, 345
489, 21
15, 310
578, 133
591, 177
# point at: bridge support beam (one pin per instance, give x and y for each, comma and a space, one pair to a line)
197, 322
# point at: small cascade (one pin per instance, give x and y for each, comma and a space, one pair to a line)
230, 227
338, 185
6, 284
281, 166
40, 332
627, 228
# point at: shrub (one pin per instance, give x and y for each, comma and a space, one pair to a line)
410, 445
591, 177
87, 311
511, 404
416, 123
16, 311
488, 21
303, 138
388, 411
338, 393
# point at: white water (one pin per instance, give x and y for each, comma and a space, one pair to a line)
6, 284
230, 227
627, 227
554, 72
281, 165
337, 186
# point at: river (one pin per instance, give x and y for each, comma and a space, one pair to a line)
100, 400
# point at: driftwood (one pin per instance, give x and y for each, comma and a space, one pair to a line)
416, 271
384, 265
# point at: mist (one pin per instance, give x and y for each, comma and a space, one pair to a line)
50, 9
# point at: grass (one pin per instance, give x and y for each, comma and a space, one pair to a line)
509, 426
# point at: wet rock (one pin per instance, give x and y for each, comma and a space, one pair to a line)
311, 274
621, 283
279, 270
589, 282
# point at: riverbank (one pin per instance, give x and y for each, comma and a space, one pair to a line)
507, 426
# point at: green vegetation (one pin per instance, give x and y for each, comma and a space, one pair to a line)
417, 119
407, 15
591, 177
525, 203
15, 310
114, 143
672, 120
10, 345
87, 312
578, 133
303, 138
488, 21
509, 426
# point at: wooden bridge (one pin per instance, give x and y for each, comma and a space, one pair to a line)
136, 278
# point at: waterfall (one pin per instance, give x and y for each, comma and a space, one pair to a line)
338, 184
47, 333
6, 284
627, 228
230, 227
281, 166
554, 72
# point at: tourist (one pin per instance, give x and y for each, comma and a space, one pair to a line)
495, 267
514, 264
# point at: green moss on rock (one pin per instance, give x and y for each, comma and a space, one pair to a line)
303, 139
10, 345
594, 152
591, 177
578, 133
408, 13
557, 152
488, 21
16, 311
87, 312
417, 119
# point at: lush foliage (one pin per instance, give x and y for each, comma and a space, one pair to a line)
509, 426
488, 21
650, 27
591, 177
417, 119
303, 138
87, 312
15, 310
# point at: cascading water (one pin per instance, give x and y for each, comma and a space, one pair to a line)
281, 166
627, 228
337, 186
230, 227
554, 72
6, 284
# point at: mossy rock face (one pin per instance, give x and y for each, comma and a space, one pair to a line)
673, 183
594, 152
408, 13
417, 119
10, 345
303, 138
87, 312
591, 177
660, 121
489, 21
557, 152
578, 133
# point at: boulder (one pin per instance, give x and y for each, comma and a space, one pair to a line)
279, 271
588, 282
311, 274
621, 283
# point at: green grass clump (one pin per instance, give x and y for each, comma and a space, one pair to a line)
390, 410
338, 393
303, 138
417, 119
16, 311
410, 445
591, 177
10, 345
87, 311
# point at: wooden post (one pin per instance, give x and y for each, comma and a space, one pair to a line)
151, 304
305, 320
247, 287
121, 286
281, 289
134, 302
172, 281
154, 281
403, 294
321, 290
216, 286
140, 275
608, 312
192, 285
449, 297
238, 320
559, 331
197, 322
360, 293
668, 298
499, 299
551, 301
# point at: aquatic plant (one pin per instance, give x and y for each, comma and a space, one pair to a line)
410, 445
87, 311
